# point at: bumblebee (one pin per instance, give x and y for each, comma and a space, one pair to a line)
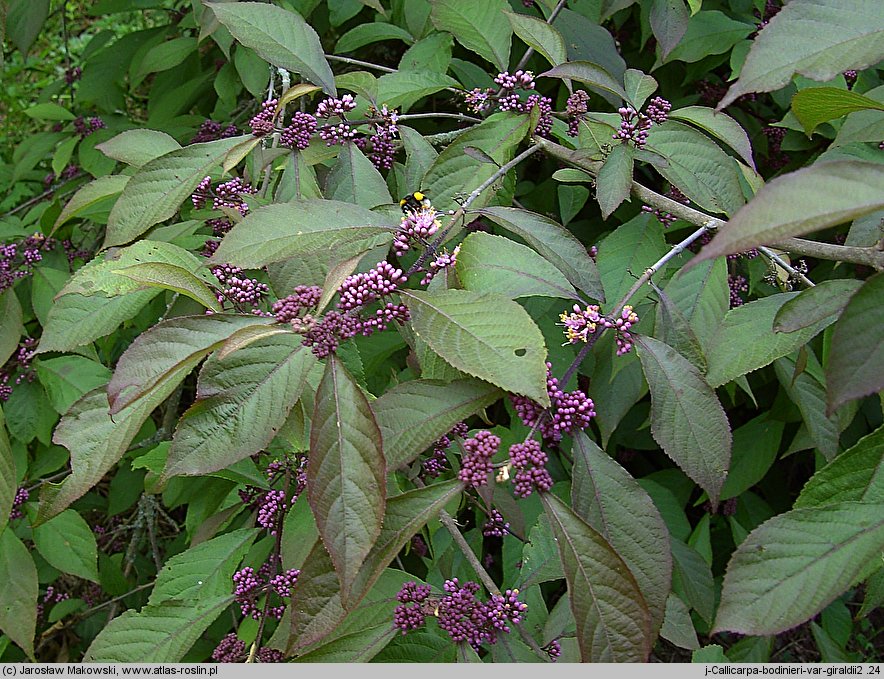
414, 202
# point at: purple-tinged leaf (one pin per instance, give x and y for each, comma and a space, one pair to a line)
8, 476
613, 621
801, 202
588, 74
669, 21
824, 301
18, 596
605, 496
687, 419
346, 473
719, 125
856, 361
793, 565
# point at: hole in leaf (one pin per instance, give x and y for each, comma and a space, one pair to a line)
520, 352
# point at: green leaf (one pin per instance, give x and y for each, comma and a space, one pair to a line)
719, 125
68, 544
67, 378
823, 302
431, 54
279, 36
366, 34
164, 56
589, 74
168, 347
613, 621
137, 147
638, 87
808, 392
316, 604
12, 327
631, 248
345, 474
555, 243
709, 32
484, 335
359, 646
856, 474
157, 190
155, 634
203, 571
403, 89
242, 401
8, 476
488, 263
713, 653
540, 556
800, 202
171, 277
857, 354
267, 235
545, 39
863, 126
605, 496
691, 575
48, 111
88, 195
676, 331
669, 21
816, 105
18, 596
744, 341
614, 180
792, 566
822, 41
455, 172
354, 179
477, 26
697, 166
755, 448
412, 415
24, 19
678, 628
687, 419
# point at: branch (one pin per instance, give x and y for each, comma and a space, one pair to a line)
872, 257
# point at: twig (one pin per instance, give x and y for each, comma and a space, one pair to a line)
530, 51
871, 256
793, 272
357, 62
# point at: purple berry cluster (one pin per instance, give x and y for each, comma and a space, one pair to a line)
85, 127
383, 317
850, 77
437, 462
634, 126
324, 336
738, 286
416, 226
522, 80
230, 649
18, 369
72, 75
569, 410
262, 122
303, 298
411, 612
459, 612
238, 289
18, 259
379, 148
269, 655
476, 464
227, 194
751, 253
576, 108
495, 525
209, 130
271, 508
341, 132
658, 110
622, 325
530, 464
249, 586
481, 100
666, 218
21, 496
776, 158
444, 260
363, 288
297, 134
553, 650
